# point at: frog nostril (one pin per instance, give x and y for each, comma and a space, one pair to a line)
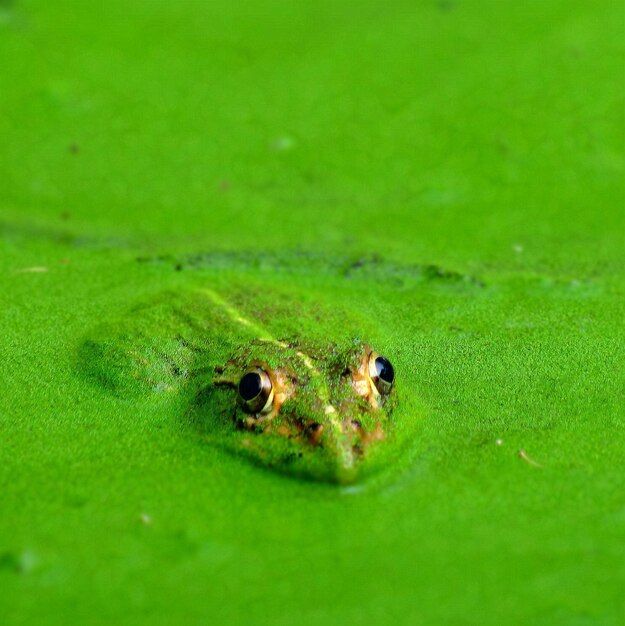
314, 432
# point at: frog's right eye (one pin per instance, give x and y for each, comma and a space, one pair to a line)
381, 373
256, 391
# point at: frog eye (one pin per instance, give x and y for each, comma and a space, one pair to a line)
381, 373
256, 391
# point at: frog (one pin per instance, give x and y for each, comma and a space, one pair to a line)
302, 404
319, 405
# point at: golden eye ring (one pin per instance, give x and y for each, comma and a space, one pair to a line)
381, 374
255, 391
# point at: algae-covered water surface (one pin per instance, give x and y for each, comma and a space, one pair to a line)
300, 193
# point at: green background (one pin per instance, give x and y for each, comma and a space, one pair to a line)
485, 138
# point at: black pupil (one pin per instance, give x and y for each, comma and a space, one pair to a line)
384, 369
250, 386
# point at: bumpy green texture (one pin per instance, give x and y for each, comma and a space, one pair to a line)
194, 344
443, 178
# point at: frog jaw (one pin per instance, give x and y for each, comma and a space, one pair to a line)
339, 439
331, 451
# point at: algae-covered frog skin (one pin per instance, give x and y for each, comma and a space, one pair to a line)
300, 402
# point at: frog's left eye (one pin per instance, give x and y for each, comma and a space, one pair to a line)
381, 373
256, 391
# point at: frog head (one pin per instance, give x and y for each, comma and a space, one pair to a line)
316, 409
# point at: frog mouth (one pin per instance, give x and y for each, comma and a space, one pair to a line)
343, 443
